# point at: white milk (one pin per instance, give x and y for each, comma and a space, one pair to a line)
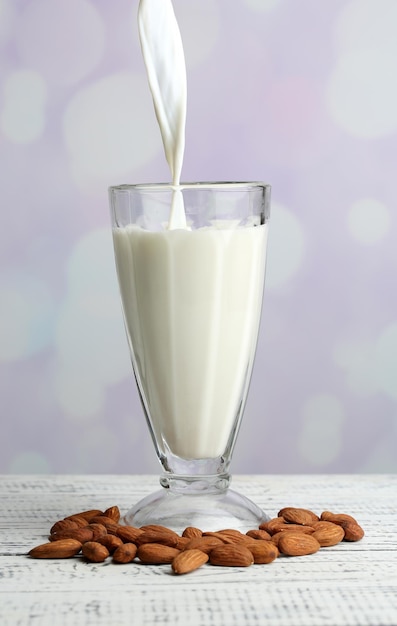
192, 303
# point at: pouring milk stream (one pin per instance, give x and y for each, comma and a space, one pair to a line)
194, 333
164, 58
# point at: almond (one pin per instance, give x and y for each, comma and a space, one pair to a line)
231, 555
182, 543
125, 553
109, 524
81, 522
205, 544
234, 536
63, 524
159, 528
87, 515
327, 533
296, 515
156, 553
292, 528
337, 518
259, 534
188, 561
277, 536
228, 535
157, 536
98, 530
353, 532
218, 535
94, 552
297, 544
81, 534
322, 524
113, 512
272, 526
263, 551
298, 528
62, 549
128, 534
111, 542
191, 532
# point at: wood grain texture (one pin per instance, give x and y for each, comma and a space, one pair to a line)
346, 585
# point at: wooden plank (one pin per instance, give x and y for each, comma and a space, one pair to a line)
349, 584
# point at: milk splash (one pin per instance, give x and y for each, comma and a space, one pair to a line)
164, 58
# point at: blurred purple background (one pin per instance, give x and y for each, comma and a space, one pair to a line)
302, 95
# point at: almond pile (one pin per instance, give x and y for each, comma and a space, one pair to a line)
98, 535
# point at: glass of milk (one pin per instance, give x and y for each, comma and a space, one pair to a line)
191, 293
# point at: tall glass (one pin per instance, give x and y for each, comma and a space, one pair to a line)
192, 299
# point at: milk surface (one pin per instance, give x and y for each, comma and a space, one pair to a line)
192, 303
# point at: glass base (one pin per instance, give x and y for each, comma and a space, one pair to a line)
208, 511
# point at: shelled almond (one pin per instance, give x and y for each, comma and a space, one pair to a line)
231, 555
98, 535
125, 553
188, 560
94, 551
297, 544
156, 553
62, 549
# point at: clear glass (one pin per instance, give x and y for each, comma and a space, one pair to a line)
192, 299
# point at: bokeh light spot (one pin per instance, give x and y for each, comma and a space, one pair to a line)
62, 39
90, 338
97, 450
22, 117
286, 247
79, 394
110, 128
366, 23
320, 440
362, 90
370, 366
357, 359
386, 360
368, 220
362, 93
27, 315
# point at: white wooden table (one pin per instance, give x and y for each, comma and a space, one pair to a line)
347, 585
